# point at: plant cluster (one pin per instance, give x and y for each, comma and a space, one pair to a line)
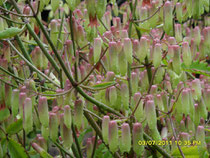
104, 78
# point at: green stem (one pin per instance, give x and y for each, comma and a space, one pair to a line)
76, 140
36, 38
62, 149
94, 147
9, 73
60, 30
158, 148
8, 83
22, 48
74, 47
76, 154
69, 76
15, 22
98, 131
31, 65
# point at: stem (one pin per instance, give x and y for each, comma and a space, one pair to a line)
94, 147
69, 76
76, 154
76, 141
74, 47
9, 73
98, 131
36, 38
172, 125
61, 26
93, 67
31, 65
62, 149
158, 148
8, 83
15, 22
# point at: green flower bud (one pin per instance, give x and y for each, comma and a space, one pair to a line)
137, 136
15, 102
53, 32
128, 50
206, 97
8, 94
178, 32
42, 142
143, 49
125, 96
159, 102
190, 125
112, 95
110, 76
113, 57
168, 18
200, 136
78, 113
22, 97
43, 111
113, 136
134, 82
197, 86
151, 114
197, 35
27, 115
202, 109
139, 114
66, 133
97, 49
179, 12
176, 59
185, 102
53, 126
157, 55
67, 116
89, 146
197, 115
184, 136
123, 63
186, 54
105, 128
125, 141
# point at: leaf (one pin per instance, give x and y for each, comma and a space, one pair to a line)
189, 152
198, 68
16, 150
3, 145
104, 85
10, 32
142, 29
4, 114
15, 127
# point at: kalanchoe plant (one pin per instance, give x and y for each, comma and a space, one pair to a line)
98, 78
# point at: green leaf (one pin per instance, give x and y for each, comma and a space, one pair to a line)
16, 150
44, 154
3, 145
4, 114
15, 127
104, 85
189, 152
198, 68
10, 32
